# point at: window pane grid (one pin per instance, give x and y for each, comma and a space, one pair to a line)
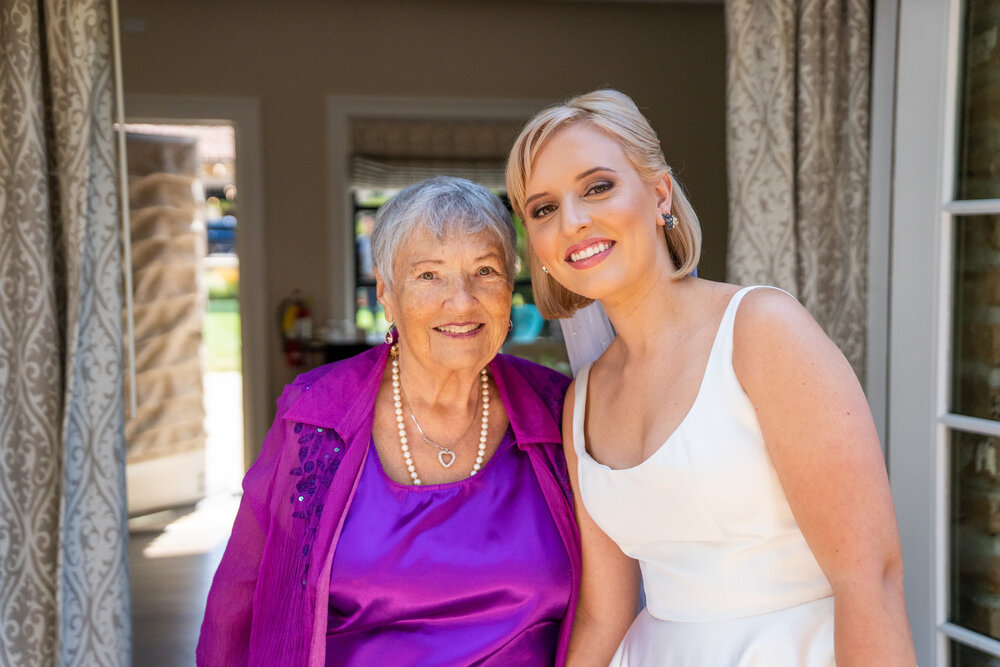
973, 425
973, 207
975, 308
974, 529
971, 388
978, 104
972, 639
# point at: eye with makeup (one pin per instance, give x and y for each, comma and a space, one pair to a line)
600, 187
542, 210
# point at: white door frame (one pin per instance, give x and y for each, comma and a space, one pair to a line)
243, 113
920, 311
340, 110
883, 74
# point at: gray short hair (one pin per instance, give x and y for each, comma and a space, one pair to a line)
444, 206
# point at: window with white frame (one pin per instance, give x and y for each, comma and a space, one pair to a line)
972, 417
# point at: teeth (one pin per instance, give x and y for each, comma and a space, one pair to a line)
458, 329
589, 252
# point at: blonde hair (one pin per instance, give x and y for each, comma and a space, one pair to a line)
615, 114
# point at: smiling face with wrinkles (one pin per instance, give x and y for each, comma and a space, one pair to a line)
594, 223
449, 299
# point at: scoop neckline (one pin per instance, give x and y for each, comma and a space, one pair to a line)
506, 442
677, 429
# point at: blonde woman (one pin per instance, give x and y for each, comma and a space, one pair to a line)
721, 446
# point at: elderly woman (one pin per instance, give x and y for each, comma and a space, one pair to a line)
411, 505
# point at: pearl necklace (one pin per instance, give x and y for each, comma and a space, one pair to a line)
397, 401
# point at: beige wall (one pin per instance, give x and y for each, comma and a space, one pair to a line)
291, 55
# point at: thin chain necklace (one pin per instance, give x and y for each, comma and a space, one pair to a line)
443, 452
445, 455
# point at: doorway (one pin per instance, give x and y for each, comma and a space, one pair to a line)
185, 440
178, 536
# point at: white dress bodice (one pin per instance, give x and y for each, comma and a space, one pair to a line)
706, 517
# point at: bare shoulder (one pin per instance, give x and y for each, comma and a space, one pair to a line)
769, 307
770, 319
775, 337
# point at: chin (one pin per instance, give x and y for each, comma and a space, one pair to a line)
598, 287
591, 289
457, 359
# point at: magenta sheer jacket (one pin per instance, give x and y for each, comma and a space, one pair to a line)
269, 599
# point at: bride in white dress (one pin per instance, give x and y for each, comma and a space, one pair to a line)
721, 449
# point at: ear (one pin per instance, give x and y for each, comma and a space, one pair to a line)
382, 292
664, 188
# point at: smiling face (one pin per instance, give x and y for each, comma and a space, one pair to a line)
593, 222
450, 300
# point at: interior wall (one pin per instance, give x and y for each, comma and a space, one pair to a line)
670, 57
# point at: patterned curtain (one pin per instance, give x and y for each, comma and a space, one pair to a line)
797, 130
64, 595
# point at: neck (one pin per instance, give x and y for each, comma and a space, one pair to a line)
643, 316
436, 389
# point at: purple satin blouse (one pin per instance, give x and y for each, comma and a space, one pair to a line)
468, 573
270, 598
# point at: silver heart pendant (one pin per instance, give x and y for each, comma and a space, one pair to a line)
446, 454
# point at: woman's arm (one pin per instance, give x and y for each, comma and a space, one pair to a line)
610, 580
820, 435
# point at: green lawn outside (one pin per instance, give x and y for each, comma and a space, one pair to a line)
222, 335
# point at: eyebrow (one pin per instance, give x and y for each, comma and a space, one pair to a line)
580, 177
491, 254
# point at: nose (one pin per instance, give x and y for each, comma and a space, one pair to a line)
575, 217
460, 294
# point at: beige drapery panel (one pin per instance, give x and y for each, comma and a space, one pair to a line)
797, 99
63, 547
168, 246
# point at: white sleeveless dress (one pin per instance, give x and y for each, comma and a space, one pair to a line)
728, 577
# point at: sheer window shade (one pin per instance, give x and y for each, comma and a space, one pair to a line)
388, 174
394, 153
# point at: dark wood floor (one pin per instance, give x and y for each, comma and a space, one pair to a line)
168, 596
